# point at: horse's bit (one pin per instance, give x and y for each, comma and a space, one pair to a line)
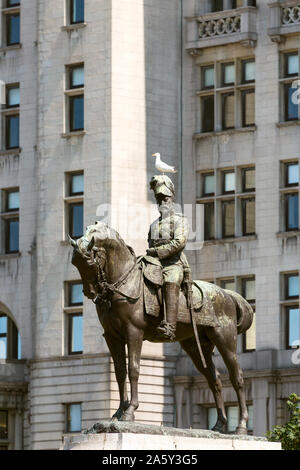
107, 290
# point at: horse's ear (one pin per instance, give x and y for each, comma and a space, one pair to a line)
91, 244
71, 241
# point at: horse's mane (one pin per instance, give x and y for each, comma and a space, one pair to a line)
113, 235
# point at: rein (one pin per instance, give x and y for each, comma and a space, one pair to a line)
107, 290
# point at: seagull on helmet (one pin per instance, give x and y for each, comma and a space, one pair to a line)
161, 166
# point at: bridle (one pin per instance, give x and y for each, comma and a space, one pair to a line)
105, 289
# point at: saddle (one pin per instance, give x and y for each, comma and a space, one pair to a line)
153, 281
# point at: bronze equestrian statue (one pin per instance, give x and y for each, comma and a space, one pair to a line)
135, 301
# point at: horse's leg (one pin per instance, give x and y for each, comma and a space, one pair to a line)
117, 350
134, 344
212, 376
226, 344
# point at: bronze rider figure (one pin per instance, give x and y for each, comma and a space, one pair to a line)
167, 239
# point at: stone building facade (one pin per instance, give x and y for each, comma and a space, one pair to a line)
142, 90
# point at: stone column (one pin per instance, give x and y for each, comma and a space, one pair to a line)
179, 389
181, 384
188, 408
18, 430
260, 394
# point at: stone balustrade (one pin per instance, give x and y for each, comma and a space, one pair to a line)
220, 28
284, 19
290, 15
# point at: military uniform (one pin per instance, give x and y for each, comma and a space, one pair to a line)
167, 238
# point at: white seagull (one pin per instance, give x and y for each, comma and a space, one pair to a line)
161, 166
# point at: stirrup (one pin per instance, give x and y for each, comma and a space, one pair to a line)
167, 330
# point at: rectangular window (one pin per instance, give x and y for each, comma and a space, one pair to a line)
76, 113
228, 223
209, 221
291, 211
208, 184
208, 113
75, 97
291, 107
208, 77
13, 29
76, 77
248, 211
12, 202
228, 284
73, 414
217, 5
77, 11
3, 424
75, 333
228, 74
291, 174
76, 220
291, 286
248, 71
293, 327
228, 115
12, 131
291, 64
228, 182
223, 107
248, 108
12, 235
12, 96
11, 221
248, 292
74, 204
76, 184
250, 336
75, 296
248, 179
237, 3
248, 289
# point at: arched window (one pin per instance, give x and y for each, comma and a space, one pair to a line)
10, 343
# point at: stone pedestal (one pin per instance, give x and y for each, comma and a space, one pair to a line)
135, 436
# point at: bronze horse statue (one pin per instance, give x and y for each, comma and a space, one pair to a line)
106, 264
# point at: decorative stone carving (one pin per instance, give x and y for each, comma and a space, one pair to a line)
284, 20
219, 27
290, 15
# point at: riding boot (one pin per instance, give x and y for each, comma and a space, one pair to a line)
167, 329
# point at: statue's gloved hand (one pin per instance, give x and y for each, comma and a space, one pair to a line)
151, 252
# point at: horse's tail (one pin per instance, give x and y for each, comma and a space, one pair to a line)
244, 312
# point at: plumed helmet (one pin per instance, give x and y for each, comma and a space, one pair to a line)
162, 184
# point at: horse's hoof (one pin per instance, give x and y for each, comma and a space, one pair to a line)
219, 427
242, 431
127, 417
